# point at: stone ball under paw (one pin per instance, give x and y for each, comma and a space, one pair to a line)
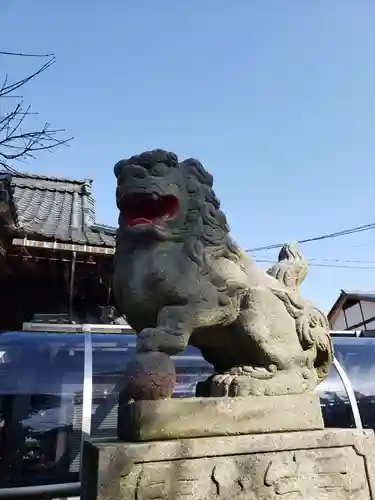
149, 376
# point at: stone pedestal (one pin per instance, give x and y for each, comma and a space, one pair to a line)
206, 417
250, 448
306, 465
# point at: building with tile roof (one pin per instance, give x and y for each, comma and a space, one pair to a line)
54, 210
53, 253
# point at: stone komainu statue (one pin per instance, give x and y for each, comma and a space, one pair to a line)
179, 278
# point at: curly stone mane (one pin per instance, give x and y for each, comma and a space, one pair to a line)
147, 159
205, 229
207, 225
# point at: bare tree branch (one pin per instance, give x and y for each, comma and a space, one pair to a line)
7, 89
17, 140
23, 54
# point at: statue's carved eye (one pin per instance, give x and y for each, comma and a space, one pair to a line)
159, 170
191, 187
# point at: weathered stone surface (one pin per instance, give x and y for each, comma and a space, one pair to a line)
203, 417
179, 278
316, 465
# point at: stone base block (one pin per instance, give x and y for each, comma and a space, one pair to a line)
204, 417
309, 465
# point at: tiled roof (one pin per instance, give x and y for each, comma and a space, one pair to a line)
61, 210
358, 294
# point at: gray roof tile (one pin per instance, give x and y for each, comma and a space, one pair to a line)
58, 210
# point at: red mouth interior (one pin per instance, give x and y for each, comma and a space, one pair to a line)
148, 209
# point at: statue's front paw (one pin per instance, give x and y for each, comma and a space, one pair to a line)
163, 340
148, 340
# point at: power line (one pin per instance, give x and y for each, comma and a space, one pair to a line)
350, 261
344, 232
310, 259
317, 264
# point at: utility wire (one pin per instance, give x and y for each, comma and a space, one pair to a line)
344, 232
311, 259
316, 264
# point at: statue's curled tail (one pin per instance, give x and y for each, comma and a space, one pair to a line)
292, 267
312, 326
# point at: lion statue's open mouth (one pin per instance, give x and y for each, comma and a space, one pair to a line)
148, 208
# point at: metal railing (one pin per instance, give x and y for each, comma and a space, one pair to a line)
48, 491
76, 328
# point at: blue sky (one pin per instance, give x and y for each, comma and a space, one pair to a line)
275, 97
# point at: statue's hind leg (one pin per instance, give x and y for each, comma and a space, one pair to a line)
239, 382
275, 366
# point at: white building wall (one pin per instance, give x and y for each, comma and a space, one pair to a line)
339, 323
353, 315
368, 309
